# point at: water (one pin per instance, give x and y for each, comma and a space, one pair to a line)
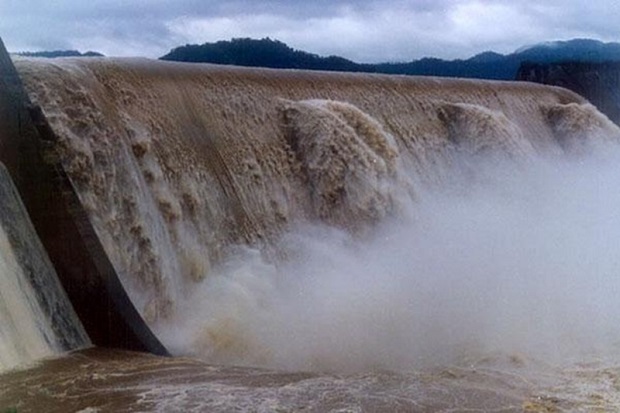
36, 317
102, 380
406, 243
520, 265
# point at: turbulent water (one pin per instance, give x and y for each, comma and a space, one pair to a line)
36, 317
350, 223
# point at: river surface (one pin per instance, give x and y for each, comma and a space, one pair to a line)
101, 380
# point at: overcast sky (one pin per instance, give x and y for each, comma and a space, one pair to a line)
363, 30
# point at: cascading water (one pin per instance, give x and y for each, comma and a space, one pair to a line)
237, 204
36, 317
459, 234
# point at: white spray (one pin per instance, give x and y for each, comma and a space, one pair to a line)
521, 261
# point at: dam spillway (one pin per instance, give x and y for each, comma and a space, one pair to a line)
161, 172
37, 318
61, 224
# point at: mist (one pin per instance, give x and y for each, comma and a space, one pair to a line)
512, 258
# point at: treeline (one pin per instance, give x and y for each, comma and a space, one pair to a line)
262, 53
488, 65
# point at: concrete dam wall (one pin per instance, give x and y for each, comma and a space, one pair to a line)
145, 179
27, 150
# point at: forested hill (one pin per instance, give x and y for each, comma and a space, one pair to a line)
488, 65
597, 82
262, 53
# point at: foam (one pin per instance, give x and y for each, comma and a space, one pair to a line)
36, 317
181, 167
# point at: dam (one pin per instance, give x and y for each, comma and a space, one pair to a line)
317, 224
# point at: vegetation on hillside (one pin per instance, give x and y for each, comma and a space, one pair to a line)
488, 65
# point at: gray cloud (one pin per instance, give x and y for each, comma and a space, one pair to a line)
366, 30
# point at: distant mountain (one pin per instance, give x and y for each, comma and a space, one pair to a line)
487, 65
60, 53
571, 50
599, 82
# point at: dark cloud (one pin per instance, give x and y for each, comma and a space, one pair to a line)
365, 30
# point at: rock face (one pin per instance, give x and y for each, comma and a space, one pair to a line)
597, 82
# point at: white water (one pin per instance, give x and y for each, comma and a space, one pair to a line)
522, 259
344, 222
36, 318
21, 337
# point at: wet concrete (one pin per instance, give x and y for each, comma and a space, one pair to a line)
93, 287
